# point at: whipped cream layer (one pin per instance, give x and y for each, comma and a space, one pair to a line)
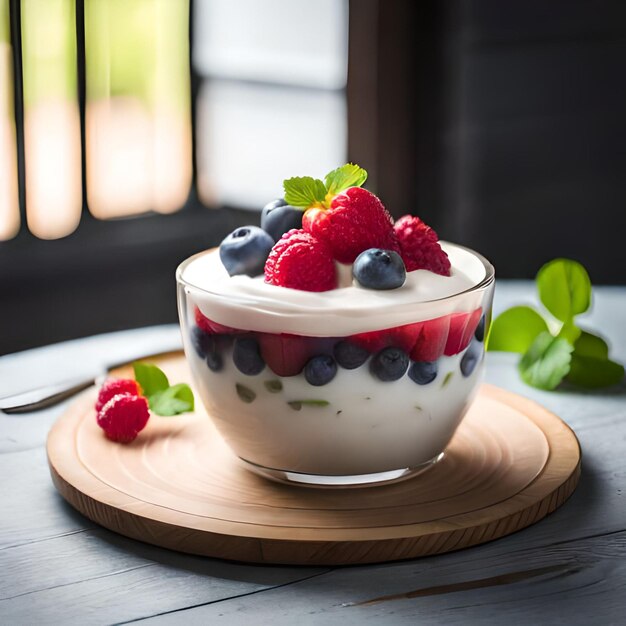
251, 304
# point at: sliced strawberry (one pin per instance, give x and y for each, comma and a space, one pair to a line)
462, 327
213, 328
286, 355
432, 340
373, 341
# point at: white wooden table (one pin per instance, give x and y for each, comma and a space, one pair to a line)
56, 567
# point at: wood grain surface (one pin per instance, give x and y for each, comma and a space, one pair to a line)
179, 486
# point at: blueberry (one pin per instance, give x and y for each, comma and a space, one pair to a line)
214, 361
320, 370
278, 217
349, 355
379, 269
423, 372
247, 357
479, 333
202, 342
471, 358
245, 251
389, 364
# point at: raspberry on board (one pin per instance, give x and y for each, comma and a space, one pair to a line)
123, 417
114, 386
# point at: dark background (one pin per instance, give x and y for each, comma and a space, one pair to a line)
500, 123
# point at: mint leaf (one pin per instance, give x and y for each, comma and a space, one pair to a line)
591, 366
593, 373
564, 288
591, 345
304, 191
516, 329
570, 332
348, 175
546, 362
172, 401
150, 378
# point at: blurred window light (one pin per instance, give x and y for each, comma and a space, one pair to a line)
9, 203
51, 117
138, 126
272, 100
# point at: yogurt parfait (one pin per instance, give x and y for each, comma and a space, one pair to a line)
332, 346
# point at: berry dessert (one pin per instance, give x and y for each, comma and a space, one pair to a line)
334, 346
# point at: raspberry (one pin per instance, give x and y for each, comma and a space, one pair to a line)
123, 417
356, 221
115, 386
419, 246
300, 261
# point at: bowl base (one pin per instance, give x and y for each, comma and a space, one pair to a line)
340, 481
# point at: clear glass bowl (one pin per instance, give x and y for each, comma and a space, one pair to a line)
376, 421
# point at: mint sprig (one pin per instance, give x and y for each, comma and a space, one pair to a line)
306, 192
163, 399
556, 348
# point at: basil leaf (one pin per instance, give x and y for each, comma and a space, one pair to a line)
564, 288
150, 378
515, 330
546, 362
172, 401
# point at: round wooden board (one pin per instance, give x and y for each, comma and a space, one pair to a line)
178, 486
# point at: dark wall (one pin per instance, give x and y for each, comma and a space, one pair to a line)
531, 137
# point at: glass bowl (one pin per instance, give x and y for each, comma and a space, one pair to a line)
403, 370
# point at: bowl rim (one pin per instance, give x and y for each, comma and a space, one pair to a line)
485, 282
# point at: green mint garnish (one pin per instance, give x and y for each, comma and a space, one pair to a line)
546, 362
569, 352
273, 386
163, 399
297, 405
245, 394
344, 177
516, 329
306, 192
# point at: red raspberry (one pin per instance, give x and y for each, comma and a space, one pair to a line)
123, 417
356, 221
115, 386
419, 246
300, 261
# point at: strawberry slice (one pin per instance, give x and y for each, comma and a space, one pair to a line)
286, 355
432, 339
213, 328
462, 327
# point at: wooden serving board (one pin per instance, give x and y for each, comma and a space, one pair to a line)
178, 486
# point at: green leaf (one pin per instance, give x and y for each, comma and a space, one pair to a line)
570, 332
591, 366
446, 380
304, 191
150, 378
516, 329
564, 288
591, 345
546, 362
348, 175
172, 401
